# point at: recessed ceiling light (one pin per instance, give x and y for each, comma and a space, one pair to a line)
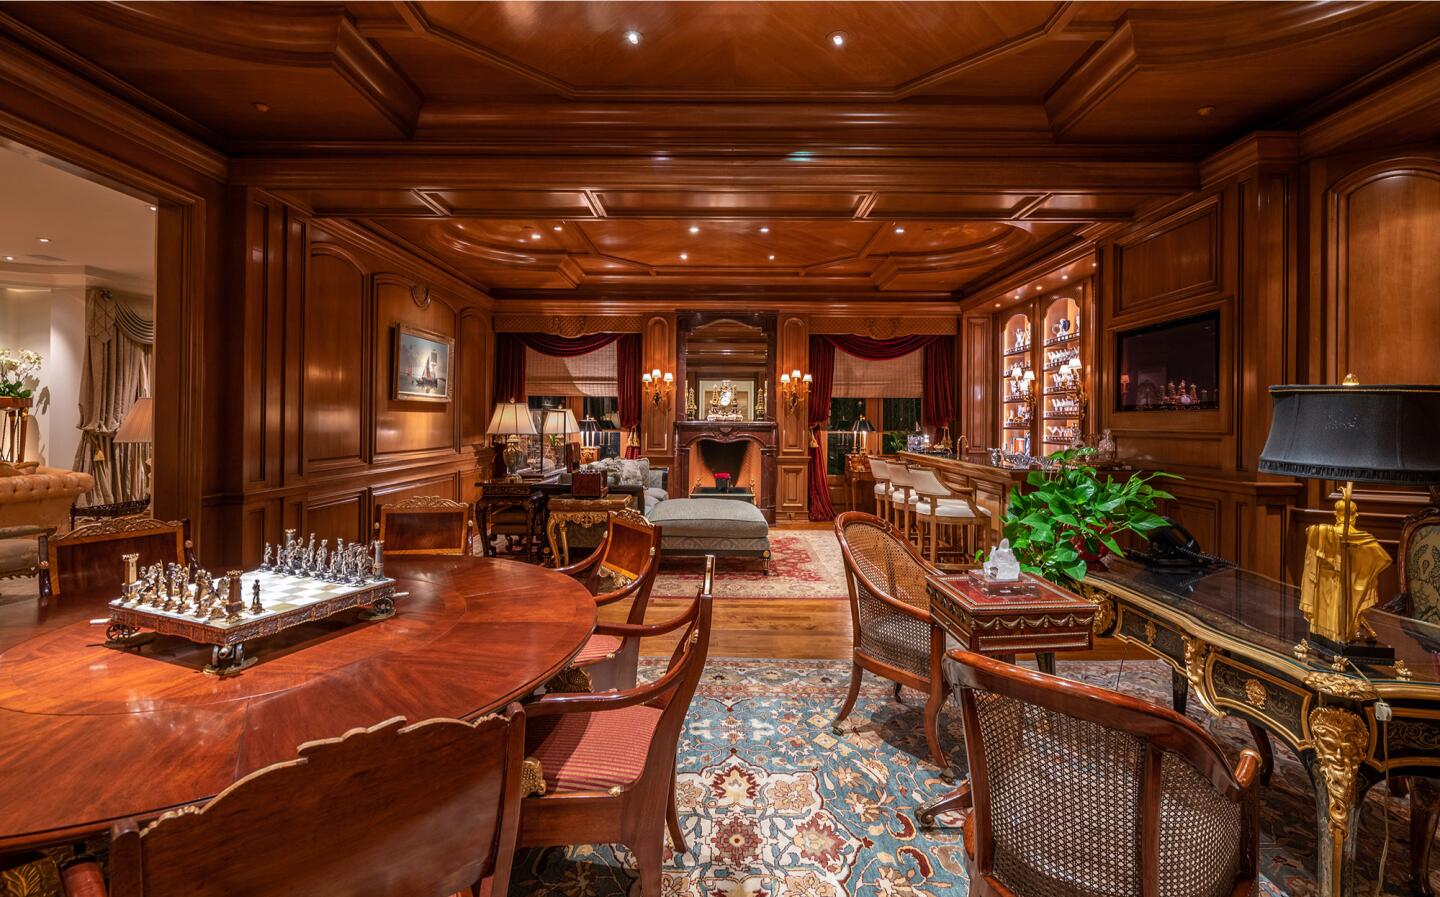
261, 107
694, 229
772, 256
764, 230
9, 258
1064, 276
997, 305
899, 230
152, 208
556, 227
43, 239
684, 256
1205, 111
837, 38
535, 236
632, 37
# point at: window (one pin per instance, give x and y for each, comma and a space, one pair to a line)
898, 417
840, 441
606, 411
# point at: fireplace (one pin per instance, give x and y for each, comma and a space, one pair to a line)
744, 449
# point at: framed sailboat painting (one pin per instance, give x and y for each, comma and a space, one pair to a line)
422, 365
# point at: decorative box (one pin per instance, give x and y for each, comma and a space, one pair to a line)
1048, 618
589, 484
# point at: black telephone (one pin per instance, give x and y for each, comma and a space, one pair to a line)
1173, 546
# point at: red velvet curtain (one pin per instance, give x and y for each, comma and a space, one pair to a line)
822, 371
567, 347
627, 378
937, 408
509, 368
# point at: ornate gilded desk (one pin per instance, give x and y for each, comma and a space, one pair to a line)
1230, 637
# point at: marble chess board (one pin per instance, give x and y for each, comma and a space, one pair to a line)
286, 600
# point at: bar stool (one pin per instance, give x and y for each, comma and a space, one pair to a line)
940, 506
881, 472
902, 497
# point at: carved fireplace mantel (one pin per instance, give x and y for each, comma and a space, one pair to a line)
761, 433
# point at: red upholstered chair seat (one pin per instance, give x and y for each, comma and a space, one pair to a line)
600, 647
592, 751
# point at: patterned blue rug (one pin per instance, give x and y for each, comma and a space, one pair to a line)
774, 805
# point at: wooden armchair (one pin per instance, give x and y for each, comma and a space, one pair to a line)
608, 760
1081, 790
425, 524
890, 618
88, 560
624, 565
1420, 566
425, 810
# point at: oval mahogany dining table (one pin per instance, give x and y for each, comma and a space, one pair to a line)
90, 735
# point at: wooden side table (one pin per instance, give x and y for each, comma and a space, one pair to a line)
521, 498
1046, 620
563, 512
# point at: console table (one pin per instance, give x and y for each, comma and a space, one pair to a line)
1230, 638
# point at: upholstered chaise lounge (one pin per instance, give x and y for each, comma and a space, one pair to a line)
694, 527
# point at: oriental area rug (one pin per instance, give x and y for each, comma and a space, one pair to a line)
774, 805
803, 564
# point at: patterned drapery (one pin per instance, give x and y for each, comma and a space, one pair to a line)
119, 346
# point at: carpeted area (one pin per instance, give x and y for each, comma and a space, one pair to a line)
774, 805
803, 564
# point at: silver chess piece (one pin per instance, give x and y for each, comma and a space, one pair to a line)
255, 606
379, 566
234, 597
218, 599
265, 560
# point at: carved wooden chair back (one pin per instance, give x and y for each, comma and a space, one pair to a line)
1106, 792
632, 547
425, 524
89, 559
1420, 565
424, 810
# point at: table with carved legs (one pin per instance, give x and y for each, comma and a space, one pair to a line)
1236, 641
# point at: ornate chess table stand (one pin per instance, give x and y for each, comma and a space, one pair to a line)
1230, 639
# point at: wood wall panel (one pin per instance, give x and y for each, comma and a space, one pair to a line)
336, 516
1385, 232
1177, 259
792, 490
475, 368
408, 427
333, 349
792, 354
657, 430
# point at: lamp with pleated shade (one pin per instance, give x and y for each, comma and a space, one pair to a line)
512, 420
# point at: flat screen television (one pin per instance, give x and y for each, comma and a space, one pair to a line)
1173, 366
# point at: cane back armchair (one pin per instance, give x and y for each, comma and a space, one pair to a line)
1079, 790
890, 618
427, 810
608, 760
425, 524
623, 565
90, 558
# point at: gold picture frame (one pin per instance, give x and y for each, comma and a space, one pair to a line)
422, 365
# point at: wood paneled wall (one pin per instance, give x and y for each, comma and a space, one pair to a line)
324, 440
1317, 269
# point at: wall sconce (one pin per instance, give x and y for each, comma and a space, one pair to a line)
658, 387
794, 388
1082, 399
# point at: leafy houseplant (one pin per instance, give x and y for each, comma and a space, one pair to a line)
1070, 516
15, 369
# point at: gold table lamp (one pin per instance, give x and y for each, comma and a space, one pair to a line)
1350, 434
512, 419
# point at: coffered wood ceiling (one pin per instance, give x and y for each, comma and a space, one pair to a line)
986, 132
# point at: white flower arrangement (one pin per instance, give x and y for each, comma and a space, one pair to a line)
15, 369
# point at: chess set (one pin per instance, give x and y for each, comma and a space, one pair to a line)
297, 582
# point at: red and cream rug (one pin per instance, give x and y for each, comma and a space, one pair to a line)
803, 564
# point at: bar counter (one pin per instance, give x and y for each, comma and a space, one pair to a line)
992, 484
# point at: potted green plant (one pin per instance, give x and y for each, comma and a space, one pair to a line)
1070, 517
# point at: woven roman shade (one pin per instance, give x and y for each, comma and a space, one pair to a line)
591, 374
897, 378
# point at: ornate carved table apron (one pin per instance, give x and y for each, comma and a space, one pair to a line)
1230, 638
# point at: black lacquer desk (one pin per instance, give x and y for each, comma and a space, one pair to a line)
1230, 637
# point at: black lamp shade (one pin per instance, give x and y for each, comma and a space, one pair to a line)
589, 425
1365, 434
862, 426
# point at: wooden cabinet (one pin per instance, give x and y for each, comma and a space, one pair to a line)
1042, 371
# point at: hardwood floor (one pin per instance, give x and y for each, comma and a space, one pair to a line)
788, 628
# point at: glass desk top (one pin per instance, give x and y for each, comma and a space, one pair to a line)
1263, 614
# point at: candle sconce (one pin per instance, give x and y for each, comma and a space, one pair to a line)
658, 387
794, 388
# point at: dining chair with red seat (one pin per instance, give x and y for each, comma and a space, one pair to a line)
1081, 790
608, 760
425, 524
624, 565
424, 810
90, 559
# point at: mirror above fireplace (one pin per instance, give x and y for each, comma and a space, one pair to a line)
727, 369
